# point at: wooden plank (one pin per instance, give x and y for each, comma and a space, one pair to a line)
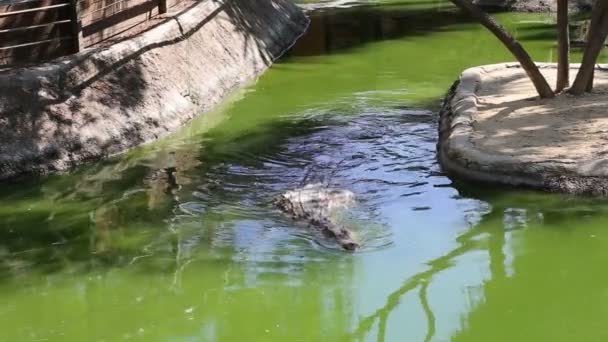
88, 4
109, 6
109, 12
37, 9
114, 10
119, 22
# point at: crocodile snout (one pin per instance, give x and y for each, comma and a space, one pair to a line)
350, 245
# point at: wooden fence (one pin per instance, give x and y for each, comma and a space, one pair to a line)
39, 30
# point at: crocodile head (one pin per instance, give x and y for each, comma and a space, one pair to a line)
346, 239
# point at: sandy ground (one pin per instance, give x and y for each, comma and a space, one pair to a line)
511, 121
494, 129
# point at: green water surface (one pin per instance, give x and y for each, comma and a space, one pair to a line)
177, 240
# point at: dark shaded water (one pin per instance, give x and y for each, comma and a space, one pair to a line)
177, 241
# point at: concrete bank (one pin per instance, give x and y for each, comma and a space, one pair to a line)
533, 5
493, 129
104, 101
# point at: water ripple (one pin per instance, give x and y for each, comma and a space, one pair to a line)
384, 155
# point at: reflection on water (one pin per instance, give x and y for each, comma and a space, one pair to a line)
177, 241
365, 22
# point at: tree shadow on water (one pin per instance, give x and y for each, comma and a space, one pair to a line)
483, 236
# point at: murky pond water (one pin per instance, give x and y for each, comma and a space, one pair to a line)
177, 241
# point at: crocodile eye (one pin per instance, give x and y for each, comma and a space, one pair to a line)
344, 232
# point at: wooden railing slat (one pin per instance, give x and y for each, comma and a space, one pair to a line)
24, 28
34, 43
17, 2
37, 9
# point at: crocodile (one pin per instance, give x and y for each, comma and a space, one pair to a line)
316, 204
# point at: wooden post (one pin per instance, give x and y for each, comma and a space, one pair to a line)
162, 6
598, 31
76, 25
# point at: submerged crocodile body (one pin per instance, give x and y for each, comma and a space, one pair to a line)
317, 204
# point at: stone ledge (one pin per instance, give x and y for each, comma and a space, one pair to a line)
524, 159
533, 5
104, 101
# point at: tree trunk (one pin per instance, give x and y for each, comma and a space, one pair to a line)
563, 46
596, 18
598, 32
539, 81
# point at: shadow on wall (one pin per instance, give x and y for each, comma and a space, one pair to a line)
43, 109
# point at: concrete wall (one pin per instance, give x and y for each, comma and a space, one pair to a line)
104, 101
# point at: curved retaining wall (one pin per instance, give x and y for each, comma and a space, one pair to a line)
104, 101
461, 158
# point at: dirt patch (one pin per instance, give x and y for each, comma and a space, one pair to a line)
493, 128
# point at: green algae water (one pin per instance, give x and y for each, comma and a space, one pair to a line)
178, 241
